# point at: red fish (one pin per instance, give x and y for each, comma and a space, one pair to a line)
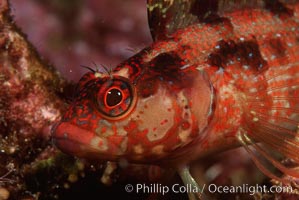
218, 75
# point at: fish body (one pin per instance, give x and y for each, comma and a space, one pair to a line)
209, 84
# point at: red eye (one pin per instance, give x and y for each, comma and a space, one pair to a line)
115, 97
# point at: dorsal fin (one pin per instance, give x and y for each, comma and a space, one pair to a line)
167, 16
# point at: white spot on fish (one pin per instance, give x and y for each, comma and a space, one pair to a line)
185, 66
138, 149
158, 150
273, 57
253, 112
220, 70
252, 90
99, 75
123, 146
255, 119
99, 143
225, 109
65, 135
236, 76
124, 72
246, 67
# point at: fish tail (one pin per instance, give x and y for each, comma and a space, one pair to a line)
271, 118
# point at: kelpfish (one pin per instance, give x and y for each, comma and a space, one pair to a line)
219, 74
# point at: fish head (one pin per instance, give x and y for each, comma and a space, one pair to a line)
138, 112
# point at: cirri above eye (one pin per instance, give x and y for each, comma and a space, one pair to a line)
115, 98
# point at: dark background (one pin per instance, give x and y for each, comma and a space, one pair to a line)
70, 33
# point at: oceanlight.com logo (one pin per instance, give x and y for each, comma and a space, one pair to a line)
211, 188
249, 189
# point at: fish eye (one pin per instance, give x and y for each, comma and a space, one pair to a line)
115, 97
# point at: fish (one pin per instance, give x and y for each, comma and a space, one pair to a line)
219, 74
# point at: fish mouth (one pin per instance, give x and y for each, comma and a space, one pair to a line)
76, 141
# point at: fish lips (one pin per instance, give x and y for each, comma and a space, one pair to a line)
76, 141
